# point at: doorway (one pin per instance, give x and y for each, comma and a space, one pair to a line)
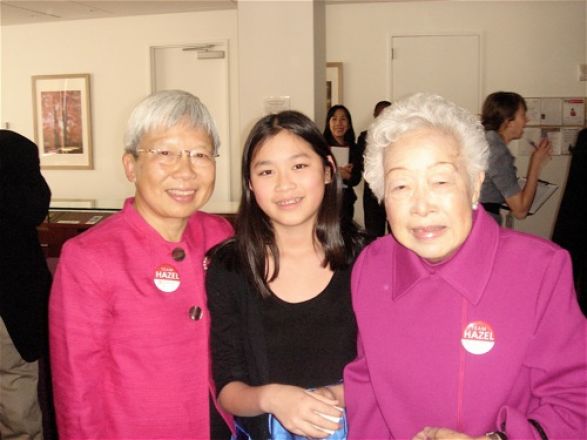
201, 69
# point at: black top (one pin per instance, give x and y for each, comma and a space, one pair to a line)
309, 343
259, 341
25, 279
348, 193
374, 215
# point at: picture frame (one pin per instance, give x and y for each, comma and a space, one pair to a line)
62, 121
334, 84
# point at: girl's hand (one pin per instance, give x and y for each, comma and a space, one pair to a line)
332, 392
299, 411
429, 433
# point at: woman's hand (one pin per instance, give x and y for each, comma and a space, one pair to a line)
345, 171
299, 411
541, 155
430, 433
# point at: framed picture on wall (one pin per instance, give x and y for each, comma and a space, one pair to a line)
62, 121
333, 84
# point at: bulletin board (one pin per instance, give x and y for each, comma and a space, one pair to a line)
558, 118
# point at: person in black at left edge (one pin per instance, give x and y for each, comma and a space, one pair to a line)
25, 281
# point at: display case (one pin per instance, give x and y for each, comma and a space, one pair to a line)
70, 217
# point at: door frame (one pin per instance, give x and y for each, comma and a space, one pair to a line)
232, 161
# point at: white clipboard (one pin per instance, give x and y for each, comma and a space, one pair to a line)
341, 155
544, 190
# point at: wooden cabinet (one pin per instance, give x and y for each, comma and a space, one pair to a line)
59, 226
64, 222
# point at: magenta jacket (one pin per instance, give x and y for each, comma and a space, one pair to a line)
482, 342
130, 357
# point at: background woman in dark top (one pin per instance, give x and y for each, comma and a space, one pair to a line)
339, 132
279, 292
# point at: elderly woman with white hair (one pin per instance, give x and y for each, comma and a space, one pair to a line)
466, 330
129, 325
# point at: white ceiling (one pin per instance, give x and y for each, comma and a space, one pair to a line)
24, 11
29, 11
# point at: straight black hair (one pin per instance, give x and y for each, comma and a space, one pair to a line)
255, 237
500, 107
349, 136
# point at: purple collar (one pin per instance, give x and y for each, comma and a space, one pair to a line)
468, 270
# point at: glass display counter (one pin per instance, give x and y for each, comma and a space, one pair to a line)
70, 217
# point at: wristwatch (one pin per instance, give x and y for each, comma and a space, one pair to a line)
496, 435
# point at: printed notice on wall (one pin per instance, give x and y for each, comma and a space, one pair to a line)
276, 104
568, 139
560, 139
554, 136
531, 137
574, 111
533, 111
551, 111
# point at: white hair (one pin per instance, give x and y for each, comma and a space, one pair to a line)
419, 111
165, 109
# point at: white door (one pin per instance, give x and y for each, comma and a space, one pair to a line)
448, 65
205, 76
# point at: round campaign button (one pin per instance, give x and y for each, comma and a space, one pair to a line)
166, 278
478, 338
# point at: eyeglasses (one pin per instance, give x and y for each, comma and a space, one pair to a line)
198, 159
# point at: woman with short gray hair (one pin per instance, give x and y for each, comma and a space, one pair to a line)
166, 109
419, 112
129, 323
484, 338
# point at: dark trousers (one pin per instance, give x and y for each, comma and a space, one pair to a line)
348, 204
374, 214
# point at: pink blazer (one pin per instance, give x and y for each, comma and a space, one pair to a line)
129, 331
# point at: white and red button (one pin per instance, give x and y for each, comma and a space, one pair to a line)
167, 278
478, 338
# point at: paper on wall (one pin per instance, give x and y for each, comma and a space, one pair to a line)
568, 139
573, 111
551, 111
533, 111
531, 135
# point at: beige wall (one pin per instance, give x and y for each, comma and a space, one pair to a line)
278, 57
116, 53
532, 48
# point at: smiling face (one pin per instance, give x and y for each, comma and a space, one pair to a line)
167, 195
339, 124
428, 198
288, 181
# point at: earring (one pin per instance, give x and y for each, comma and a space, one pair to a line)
475, 205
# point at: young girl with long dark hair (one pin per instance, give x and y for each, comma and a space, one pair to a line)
279, 292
